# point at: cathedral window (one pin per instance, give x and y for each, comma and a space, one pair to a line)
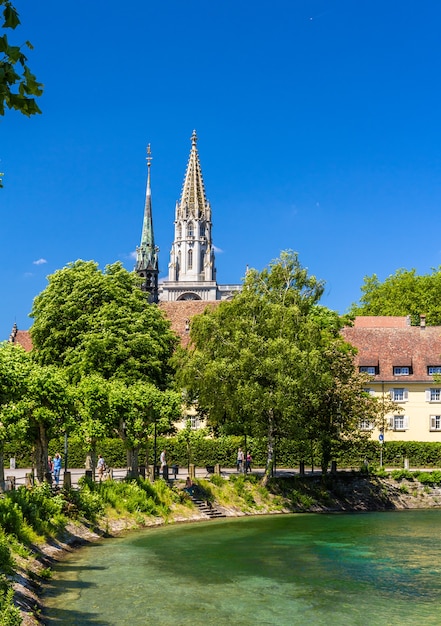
202, 230
190, 229
180, 231
190, 259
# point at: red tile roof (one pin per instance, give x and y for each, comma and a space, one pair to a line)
387, 347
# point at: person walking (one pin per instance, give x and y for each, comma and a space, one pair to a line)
57, 468
248, 461
239, 461
101, 467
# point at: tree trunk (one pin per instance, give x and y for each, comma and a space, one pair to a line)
41, 453
326, 454
270, 449
133, 461
2, 468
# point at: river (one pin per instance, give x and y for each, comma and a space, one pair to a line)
328, 569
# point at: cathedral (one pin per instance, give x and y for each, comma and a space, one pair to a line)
191, 269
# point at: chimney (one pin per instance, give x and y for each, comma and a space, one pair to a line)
422, 321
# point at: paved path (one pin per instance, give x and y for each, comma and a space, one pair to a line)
120, 473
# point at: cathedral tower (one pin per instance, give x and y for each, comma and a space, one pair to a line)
192, 273
147, 253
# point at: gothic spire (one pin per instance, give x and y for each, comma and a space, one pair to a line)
193, 202
147, 253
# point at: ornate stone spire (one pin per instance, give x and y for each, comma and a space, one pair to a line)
192, 254
193, 202
147, 253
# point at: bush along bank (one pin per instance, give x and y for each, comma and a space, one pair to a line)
37, 524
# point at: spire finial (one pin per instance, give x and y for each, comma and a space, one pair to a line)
149, 156
194, 138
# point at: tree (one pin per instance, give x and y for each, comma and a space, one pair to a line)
135, 408
402, 293
114, 345
14, 369
36, 402
268, 358
90, 321
18, 85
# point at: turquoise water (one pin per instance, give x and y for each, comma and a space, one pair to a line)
337, 569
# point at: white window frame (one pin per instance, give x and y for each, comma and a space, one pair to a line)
368, 369
195, 422
432, 370
398, 423
393, 394
366, 425
370, 391
435, 423
433, 394
400, 370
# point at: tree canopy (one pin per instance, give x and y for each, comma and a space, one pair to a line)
402, 293
273, 362
99, 322
18, 86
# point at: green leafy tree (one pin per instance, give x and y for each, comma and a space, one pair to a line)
93, 321
402, 293
135, 408
113, 344
92, 406
42, 410
268, 358
18, 85
14, 369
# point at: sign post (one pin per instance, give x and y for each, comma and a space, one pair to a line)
381, 440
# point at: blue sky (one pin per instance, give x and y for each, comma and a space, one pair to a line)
319, 131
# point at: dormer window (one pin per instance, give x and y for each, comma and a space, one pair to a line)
369, 369
401, 370
434, 370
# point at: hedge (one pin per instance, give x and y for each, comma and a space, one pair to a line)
209, 451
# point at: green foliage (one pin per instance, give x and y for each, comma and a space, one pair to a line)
18, 85
402, 474
272, 361
40, 509
99, 322
9, 614
402, 293
6, 558
429, 478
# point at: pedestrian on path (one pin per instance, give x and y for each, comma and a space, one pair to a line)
239, 462
101, 467
57, 468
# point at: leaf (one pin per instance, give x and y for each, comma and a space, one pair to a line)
11, 17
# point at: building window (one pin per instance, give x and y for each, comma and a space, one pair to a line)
433, 395
194, 422
202, 230
368, 369
401, 371
399, 422
366, 425
190, 229
434, 369
180, 231
399, 394
435, 422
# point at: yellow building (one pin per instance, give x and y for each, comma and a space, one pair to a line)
404, 363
